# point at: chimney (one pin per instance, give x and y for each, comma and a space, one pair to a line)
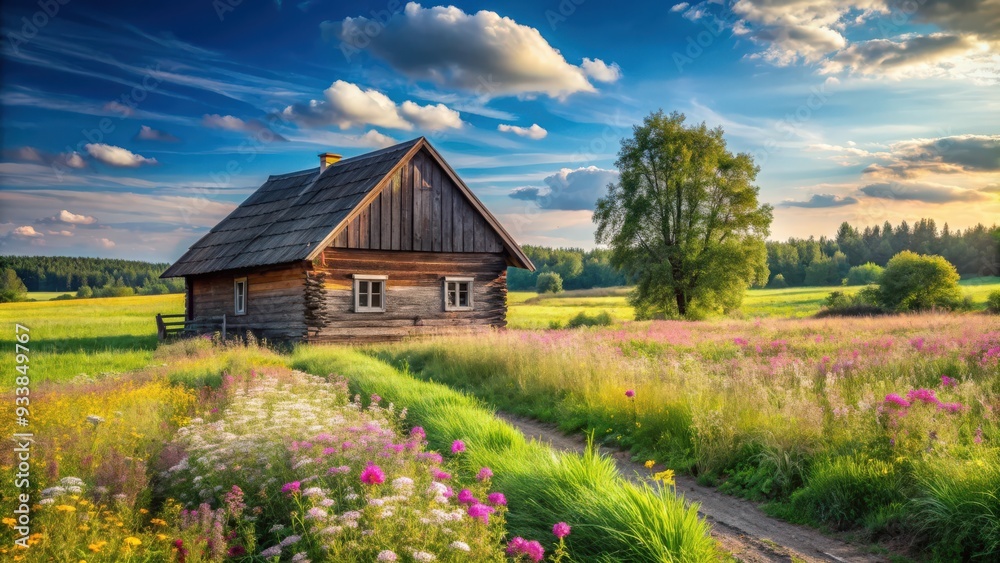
328, 159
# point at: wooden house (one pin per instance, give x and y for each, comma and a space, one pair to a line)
379, 246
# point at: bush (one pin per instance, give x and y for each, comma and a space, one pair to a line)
865, 274
847, 490
11, 287
914, 282
583, 319
549, 282
862, 304
84, 292
993, 302
778, 282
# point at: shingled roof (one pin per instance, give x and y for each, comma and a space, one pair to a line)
291, 217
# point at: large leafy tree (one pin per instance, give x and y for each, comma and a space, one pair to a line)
11, 287
684, 219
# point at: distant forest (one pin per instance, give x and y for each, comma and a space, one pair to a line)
68, 274
799, 262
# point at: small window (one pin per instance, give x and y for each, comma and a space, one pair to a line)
458, 294
369, 293
240, 296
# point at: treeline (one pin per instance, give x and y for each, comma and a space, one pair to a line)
857, 255
577, 268
87, 276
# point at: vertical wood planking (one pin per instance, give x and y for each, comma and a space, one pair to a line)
480, 236
395, 207
447, 236
406, 209
385, 238
458, 222
419, 197
375, 226
364, 227
436, 181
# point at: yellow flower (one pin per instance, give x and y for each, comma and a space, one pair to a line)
650, 463
162, 537
97, 546
666, 477
10, 522
83, 527
143, 511
66, 508
158, 522
132, 541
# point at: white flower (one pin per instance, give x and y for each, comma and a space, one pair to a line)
459, 545
402, 483
300, 557
423, 556
313, 492
271, 552
276, 528
386, 555
290, 540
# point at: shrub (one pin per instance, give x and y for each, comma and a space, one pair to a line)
583, 319
913, 282
864, 274
85, 292
993, 302
11, 287
778, 282
846, 490
549, 282
862, 303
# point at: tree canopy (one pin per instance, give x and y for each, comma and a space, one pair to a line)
11, 287
684, 219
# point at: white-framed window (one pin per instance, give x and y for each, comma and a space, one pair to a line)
458, 294
369, 293
240, 296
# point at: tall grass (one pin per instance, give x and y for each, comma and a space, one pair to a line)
789, 411
612, 519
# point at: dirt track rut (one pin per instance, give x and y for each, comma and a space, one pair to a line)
740, 527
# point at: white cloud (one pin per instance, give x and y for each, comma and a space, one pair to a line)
377, 140
62, 160
26, 231
147, 133
569, 189
106, 242
117, 107
922, 191
60, 233
679, 7
534, 132
346, 105
481, 52
117, 156
821, 201
908, 55
254, 127
601, 71
65, 216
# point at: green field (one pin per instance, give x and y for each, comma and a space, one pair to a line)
46, 295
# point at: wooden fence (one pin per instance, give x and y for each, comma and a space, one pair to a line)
177, 325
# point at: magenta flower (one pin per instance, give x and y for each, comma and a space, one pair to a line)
481, 512
291, 488
516, 546
465, 496
948, 381
924, 395
418, 432
457, 447
373, 475
951, 407
484, 474
893, 399
560, 530
630, 393
375, 399
441, 475
433, 457
497, 499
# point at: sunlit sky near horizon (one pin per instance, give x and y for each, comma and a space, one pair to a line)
130, 129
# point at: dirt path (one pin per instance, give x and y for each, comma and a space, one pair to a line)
739, 525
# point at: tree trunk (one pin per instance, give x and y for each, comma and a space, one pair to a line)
681, 302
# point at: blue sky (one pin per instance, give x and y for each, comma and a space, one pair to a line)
129, 129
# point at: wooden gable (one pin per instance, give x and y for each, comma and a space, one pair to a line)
419, 208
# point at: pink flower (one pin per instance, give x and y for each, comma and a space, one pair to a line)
481, 512
484, 474
375, 399
457, 447
465, 496
418, 432
630, 393
532, 549
441, 475
497, 499
924, 395
433, 457
373, 475
560, 530
951, 407
893, 399
948, 381
291, 488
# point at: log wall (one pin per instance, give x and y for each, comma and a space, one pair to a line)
414, 296
275, 301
